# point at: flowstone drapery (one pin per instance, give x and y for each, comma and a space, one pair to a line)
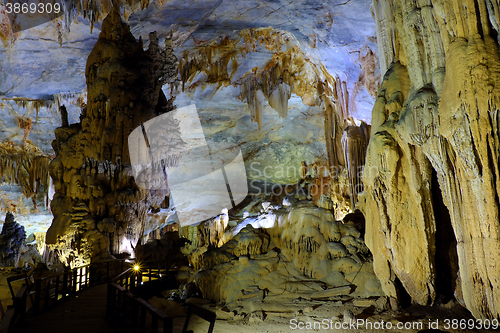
432, 175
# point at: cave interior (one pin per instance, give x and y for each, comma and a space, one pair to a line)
287, 162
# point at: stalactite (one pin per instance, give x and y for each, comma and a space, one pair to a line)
249, 89
354, 145
342, 98
330, 136
25, 124
279, 99
26, 166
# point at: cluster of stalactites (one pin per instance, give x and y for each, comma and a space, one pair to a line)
26, 166
255, 89
342, 97
354, 145
91, 10
33, 104
96, 11
288, 71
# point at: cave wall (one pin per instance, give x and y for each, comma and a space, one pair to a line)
436, 111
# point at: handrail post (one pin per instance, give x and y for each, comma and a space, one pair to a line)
38, 290
80, 282
109, 300
86, 276
168, 325
75, 279
91, 274
133, 314
154, 323
65, 284
19, 303
56, 291
23, 303
142, 320
47, 294
121, 267
107, 271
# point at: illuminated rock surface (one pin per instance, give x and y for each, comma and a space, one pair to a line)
95, 193
301, 87
432, 175
233, 44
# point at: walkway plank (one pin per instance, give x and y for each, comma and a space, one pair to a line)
83, 314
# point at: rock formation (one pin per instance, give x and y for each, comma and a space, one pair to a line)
297, 248
97, 206
432, 174
11, 240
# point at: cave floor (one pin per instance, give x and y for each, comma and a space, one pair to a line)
280, 313
284, 314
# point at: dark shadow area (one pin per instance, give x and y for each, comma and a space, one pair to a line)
403, 296
153, 288
446, 258
358, 219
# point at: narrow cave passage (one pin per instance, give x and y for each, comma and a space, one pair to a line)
446, 258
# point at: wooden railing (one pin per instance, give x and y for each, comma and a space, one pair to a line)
55, 288
203, 313
52, 289
148, 271
130, 313
14, 316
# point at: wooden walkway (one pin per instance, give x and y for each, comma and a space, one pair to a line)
84, 314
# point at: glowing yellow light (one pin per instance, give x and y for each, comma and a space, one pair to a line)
136, 268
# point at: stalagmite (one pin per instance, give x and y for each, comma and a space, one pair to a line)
64, 116
91, 172
11, 241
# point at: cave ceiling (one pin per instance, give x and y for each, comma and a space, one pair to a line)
43, 67
49, 59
